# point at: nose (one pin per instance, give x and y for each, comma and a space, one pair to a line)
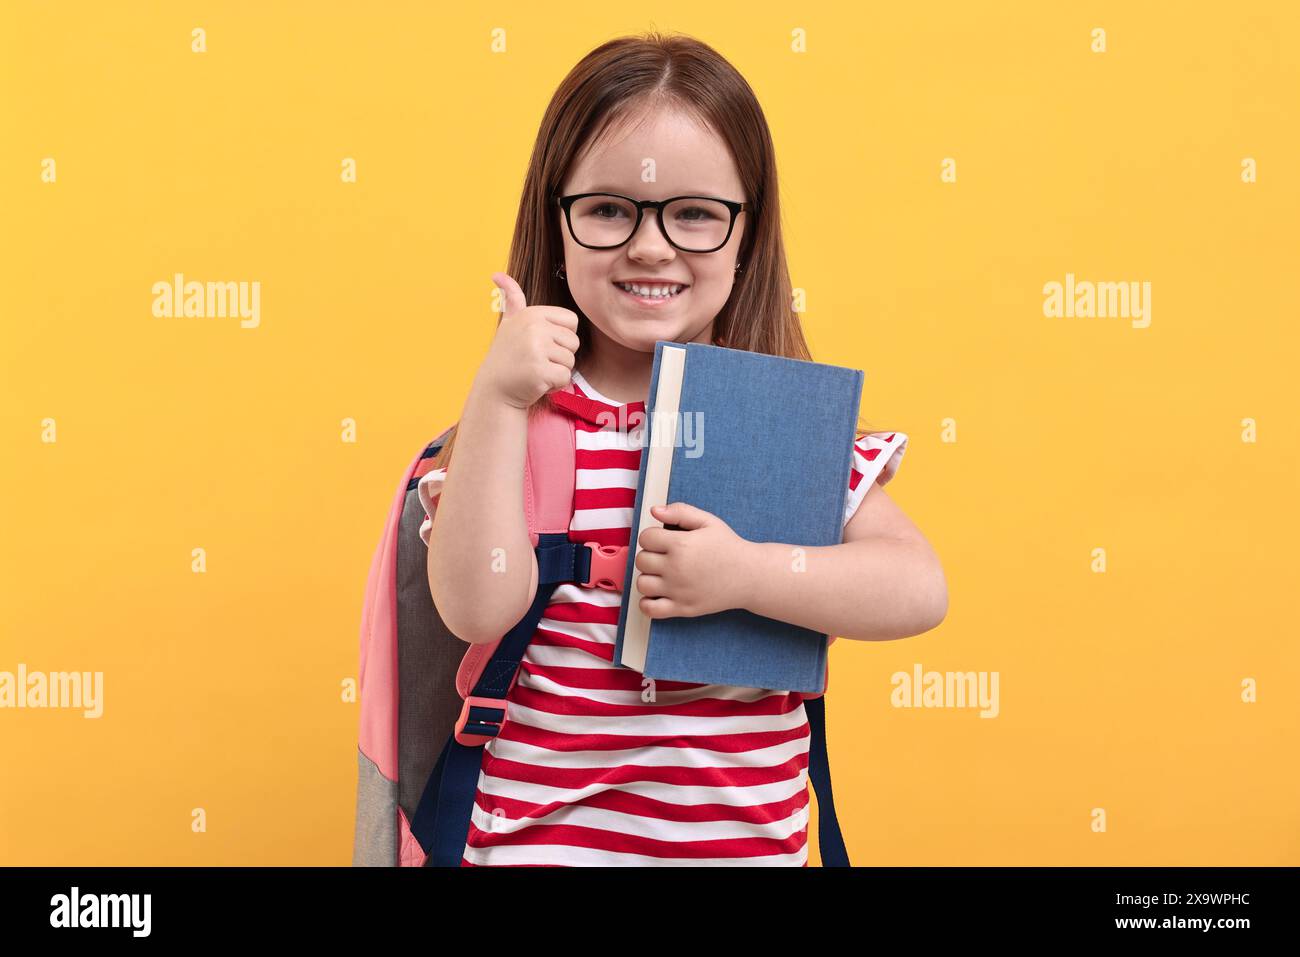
648, 243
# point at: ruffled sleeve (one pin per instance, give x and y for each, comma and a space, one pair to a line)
876, 456
429, 488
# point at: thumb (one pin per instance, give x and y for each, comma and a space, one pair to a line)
682, 515
515, 299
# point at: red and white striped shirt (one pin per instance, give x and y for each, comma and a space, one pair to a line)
597, 765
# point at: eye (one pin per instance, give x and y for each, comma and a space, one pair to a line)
603, 211
696, 214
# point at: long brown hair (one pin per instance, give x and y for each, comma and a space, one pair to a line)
615, 81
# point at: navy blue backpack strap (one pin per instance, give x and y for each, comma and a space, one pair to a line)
442, 819
829, 839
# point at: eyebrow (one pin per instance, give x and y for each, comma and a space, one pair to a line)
622, 192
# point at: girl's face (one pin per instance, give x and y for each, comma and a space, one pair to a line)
679, 158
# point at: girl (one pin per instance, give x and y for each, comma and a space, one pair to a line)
595, 764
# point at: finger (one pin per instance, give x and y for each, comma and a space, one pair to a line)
515, 299
557, 377
566, 337
654, 539
651, 586
561, 357
652, 563
564, 318
681, 514
658, 608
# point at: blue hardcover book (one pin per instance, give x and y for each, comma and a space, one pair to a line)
766, 444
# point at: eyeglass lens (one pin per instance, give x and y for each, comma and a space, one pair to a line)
692, 224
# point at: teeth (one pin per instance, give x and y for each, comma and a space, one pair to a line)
654, 292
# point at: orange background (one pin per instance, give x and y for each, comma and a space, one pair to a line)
1119, 690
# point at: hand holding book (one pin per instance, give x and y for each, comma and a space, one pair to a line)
771, 466
694, 565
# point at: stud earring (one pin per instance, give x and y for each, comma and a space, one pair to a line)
559, 272
739, 268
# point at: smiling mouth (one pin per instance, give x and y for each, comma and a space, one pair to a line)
651, 300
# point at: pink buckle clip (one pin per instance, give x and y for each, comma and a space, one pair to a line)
471, 739
608, 565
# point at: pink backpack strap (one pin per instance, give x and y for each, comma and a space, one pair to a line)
548, 508
548, 473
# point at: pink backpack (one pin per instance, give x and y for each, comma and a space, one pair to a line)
419, 745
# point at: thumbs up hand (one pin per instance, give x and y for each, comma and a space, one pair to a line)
533, 350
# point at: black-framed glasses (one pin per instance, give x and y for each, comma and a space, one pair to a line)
693, 224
